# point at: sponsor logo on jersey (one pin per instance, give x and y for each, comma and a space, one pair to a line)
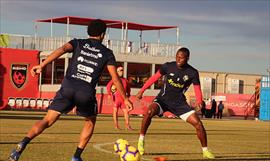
177, 85
85, 69
81, 59
83, 77
89, 54
99, 55
87, 46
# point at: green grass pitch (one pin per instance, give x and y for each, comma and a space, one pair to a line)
229, 139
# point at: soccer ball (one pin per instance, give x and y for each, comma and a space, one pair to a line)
130, 153
120, 145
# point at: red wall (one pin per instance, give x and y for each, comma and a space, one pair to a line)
235, 103
17, 57
105, 103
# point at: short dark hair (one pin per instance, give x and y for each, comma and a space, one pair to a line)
96, 27
184, 50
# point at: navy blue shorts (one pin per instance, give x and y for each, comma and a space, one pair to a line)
67, 98
177, 109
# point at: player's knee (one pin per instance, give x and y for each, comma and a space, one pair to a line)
148, 112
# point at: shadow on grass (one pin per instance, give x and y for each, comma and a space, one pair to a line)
40, 142
40, 117
119, 133
234, 159
240, 156
37, 118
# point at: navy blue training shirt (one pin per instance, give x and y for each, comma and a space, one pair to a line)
177, 81
89, 58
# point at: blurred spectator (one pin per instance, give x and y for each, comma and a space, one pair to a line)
220, 110
214, 108
203, 109
118, 100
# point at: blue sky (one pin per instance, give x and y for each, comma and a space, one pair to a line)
223, 35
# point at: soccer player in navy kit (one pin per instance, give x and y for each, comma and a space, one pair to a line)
89, 58
178, 76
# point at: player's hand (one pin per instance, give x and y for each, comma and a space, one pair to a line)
139, 95
36, 70
199, 106
129, 104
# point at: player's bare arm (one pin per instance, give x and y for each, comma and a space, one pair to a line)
54, 55
147, 84
118, 83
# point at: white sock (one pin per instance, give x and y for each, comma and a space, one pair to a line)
204, 148
141, 137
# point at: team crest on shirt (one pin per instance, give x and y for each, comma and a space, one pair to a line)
185, 78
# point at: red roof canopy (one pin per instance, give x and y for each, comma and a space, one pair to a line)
110, 23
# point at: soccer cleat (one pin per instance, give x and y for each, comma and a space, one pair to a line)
208, 154
16, 153
141, 146
76, 159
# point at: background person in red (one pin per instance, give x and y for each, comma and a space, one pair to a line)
178, 76
118, 100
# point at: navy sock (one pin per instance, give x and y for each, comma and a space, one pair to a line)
26, 140
78, 152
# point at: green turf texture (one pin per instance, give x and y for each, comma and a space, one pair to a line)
229, 139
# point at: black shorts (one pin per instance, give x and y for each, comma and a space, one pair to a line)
67, 98
177, 109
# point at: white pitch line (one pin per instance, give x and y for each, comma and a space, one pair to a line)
99, 147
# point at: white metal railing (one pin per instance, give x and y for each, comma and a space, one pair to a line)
50, 43
137, 48
118, 46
